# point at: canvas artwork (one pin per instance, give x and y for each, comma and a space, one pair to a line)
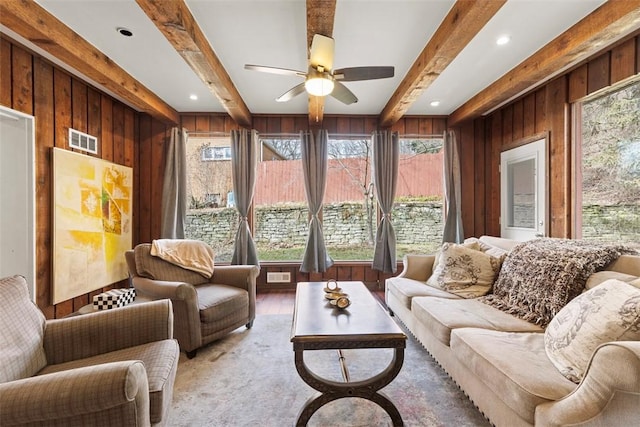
92, 223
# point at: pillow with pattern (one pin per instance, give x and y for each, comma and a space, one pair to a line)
465, 271
608, 312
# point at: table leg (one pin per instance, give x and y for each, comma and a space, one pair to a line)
333, 390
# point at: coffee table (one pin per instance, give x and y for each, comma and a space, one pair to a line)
317, 325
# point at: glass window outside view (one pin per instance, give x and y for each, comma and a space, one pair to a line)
609, 209
350, 211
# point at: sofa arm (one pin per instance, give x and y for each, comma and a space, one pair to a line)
117, 392
241, 276
84, 336
609, 393
417, 267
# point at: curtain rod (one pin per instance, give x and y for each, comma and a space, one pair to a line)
331, 135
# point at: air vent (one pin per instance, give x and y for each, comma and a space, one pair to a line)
83, 141
279, 277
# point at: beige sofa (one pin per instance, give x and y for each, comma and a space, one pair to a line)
114, 367
500, 362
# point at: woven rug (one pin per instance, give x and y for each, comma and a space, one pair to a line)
249, 379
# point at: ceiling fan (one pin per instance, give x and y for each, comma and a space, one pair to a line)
321, 79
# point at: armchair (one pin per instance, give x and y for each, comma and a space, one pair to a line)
204, 309
114, 367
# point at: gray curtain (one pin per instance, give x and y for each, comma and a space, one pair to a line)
314, 150
386, 153
453, 231
174, 187
244, 161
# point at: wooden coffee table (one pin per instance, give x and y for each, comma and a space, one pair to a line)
364, 324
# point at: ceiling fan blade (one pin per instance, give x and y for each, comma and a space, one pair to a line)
275, 70
343, 94
321, 53
288, 95
353, 74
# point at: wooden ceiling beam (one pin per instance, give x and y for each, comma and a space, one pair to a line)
459, 27
605, 25
34, 23
177, 24
320, 18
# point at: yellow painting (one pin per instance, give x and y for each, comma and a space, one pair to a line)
92, 223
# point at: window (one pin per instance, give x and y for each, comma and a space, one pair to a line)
215, 153
209, 189
417, 213
281, 216
608, 167
350, 209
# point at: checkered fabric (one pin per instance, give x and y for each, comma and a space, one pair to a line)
114, 298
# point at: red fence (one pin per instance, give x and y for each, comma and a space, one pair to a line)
282, 181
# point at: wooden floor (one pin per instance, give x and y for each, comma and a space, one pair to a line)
281, 302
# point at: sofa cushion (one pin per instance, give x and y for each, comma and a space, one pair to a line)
512, 364
442, 316
217, 302
159, 358
609, 312
156, 268
602, 276
407, 289
465, 271
21, 331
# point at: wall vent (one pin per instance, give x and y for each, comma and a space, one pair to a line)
83, 141
278, 277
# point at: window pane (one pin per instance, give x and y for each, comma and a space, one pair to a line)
610, 167
211, 215
417, 214
522, 194
349, 211
281, 213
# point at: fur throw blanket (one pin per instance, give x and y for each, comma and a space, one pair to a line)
541, 276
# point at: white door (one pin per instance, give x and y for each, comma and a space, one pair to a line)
17, 196
523, 192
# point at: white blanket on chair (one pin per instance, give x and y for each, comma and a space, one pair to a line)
192, 255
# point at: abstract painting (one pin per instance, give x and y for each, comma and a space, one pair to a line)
92, 201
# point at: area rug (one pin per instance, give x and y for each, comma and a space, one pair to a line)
249, 379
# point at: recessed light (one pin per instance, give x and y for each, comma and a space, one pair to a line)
502, 40
434, 103
193, 97
124, 31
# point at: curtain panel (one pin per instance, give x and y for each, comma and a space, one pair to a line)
244, 162
453, 231
314, 149
386, 155
174, 187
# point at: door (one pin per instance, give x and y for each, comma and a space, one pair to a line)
17, 196
523, 191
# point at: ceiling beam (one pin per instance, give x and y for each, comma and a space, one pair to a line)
320, 18
604, 26
458, 28
35, 24
177, 24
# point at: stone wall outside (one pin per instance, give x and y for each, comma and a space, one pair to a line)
344, 224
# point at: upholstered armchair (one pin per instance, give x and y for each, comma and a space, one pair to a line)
113, 367
205, 309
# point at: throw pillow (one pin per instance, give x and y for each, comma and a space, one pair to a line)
471, 244
487, 248
608, 312
466, 272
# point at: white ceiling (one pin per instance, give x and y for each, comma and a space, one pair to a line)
273, 33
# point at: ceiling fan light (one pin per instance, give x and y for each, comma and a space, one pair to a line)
319, 86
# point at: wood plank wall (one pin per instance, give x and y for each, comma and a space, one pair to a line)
34, 86
544, 111
293, 124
